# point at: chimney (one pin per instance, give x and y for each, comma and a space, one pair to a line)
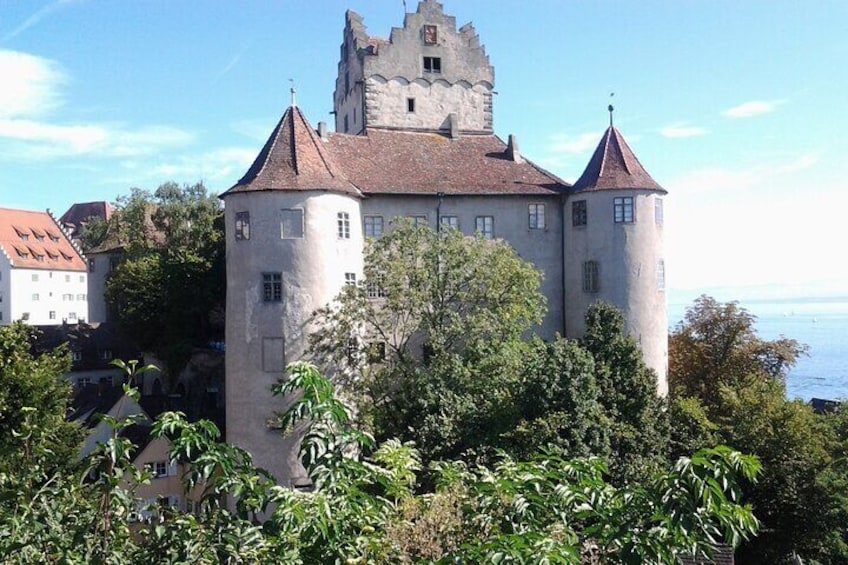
512, 151
454, 126
322, 130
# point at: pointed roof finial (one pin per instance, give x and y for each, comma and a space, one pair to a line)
610, 107
293, 93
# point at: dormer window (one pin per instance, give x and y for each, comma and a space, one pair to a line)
431, 35
433, 65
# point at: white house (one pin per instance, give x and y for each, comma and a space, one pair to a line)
43, 278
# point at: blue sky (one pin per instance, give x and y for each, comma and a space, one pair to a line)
737, 108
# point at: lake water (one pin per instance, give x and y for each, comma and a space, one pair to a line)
819, 323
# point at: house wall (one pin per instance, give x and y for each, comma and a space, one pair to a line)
542, 247
5, 290
102, 431
64, 293
628, 257
169, 485
99, 267
262, 337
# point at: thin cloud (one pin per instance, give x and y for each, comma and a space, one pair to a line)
223, 165
573, 144
680, 131
752, 109
730, 181
38, 16
31, 85
232, 62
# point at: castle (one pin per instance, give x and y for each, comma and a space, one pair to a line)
414, 137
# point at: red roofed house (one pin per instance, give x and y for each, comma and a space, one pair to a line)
414, 137
43, 278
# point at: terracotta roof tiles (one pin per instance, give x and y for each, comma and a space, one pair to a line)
614, 166
28, 240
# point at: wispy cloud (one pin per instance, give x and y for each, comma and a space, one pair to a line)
38, 16
233, 61
752, 109
224, 165
31, 85
677, 131
573, 144
731, 181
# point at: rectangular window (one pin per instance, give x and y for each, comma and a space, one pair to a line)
433, 65
272, 287
77, 356
161, 469
80, 297
343, 221
449, 222
661, 275
346, 124
590, 276
67, 298
242, 226
291, 223
375, 289
579, 216
25, 316
72, 315
34, 278
537, 216
350, 279
658, 211
35, 297
373, 226
82, 278
486, 226
273, 355
623, 210
419, 221
52, 314
114, 261
106, 354
431, 34
410, 105
83, 382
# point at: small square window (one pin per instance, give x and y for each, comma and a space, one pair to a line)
410, 105
34, 278
25, 316
375, 289
433, 65
373, 226
537, 216
343, 222
242, 226
420, 221
67, 278
91, 264
449, 222
83, 382
579, 216
590, 276
114, 261
52, 314
161, 469
272, 287
658, 211
486, 226
431, 34
72, 315
106, 354
291, 223
623, 210
80, 297
77, 356
350, 279
35, 297
82, 278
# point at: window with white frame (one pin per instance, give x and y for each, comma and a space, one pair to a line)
449, 222
658, 211
34, 278
77, 356
373, 226
51, 314
242, 226
343, 223
623, 210
272, 287
376, 288
83, 382
419, 221
80, 297
67, 298
106, 354
72, 315
350, 279
536, 216
35, 297
591, 282
291, 223
486, 226
661, 275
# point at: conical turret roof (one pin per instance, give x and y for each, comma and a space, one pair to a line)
614, 166
294, 158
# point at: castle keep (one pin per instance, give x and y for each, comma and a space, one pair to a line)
414, 137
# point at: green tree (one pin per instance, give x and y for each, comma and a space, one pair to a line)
727, 385
169, 292
628, 394
34, 399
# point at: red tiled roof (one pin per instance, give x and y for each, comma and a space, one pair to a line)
390, 162
293, 158
615, 166
34, 253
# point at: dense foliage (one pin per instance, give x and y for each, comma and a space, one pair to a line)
365, 508
444, 359
727, 385
168, 293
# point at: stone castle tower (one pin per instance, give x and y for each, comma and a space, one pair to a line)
414, 137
